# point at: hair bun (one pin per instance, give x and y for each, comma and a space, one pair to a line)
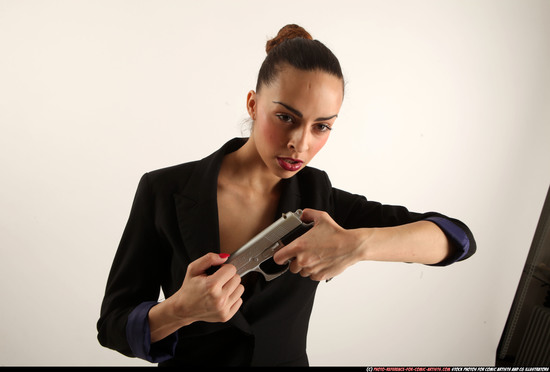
286, 33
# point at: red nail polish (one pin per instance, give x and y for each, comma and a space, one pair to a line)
224, 255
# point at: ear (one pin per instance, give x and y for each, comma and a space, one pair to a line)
251, 104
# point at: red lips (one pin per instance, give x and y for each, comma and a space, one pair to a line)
290, 164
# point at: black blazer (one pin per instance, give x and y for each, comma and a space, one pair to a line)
174, 221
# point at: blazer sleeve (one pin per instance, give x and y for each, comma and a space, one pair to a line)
135, 275
355, 211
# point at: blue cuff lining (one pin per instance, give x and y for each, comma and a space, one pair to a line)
456, 235
138, 335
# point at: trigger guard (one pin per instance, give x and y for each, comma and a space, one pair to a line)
269, 277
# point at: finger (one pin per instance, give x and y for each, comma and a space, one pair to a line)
326, 274
319, 277
200, 265
236, 293
294, 267
290, 252
234, 298
285, 254
231, 285
224, 274
304, 273
235, 307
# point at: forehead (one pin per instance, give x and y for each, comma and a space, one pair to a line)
315, 89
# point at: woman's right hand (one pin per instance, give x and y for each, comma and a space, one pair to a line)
201, 297
210, 298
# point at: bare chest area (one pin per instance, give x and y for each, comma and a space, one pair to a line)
243, 214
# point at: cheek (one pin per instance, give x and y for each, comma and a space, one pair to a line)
269, 131
318, 144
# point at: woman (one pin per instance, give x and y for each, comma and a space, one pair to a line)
187, 218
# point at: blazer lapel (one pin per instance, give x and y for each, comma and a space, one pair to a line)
197, 208
290, 196
198, 225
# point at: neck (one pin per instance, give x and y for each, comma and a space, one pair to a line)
246, 168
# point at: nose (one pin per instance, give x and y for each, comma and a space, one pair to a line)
299, 140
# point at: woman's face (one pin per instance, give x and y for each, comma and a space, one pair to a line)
293, 117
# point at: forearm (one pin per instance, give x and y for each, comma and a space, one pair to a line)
419, 242
164, 319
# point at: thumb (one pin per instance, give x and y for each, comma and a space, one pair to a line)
311, 215
200, 265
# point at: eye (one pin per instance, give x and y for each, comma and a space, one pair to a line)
322, 127
285, 118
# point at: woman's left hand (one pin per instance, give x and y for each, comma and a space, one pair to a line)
324, 251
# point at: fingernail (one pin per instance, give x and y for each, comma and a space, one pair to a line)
224, 255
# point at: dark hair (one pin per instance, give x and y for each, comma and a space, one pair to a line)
295, 46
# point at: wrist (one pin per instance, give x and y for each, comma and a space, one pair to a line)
178, 311
166, 318
362, 239
380, 244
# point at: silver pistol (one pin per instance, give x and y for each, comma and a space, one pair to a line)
257, 254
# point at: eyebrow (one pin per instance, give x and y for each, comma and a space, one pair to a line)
300, 115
